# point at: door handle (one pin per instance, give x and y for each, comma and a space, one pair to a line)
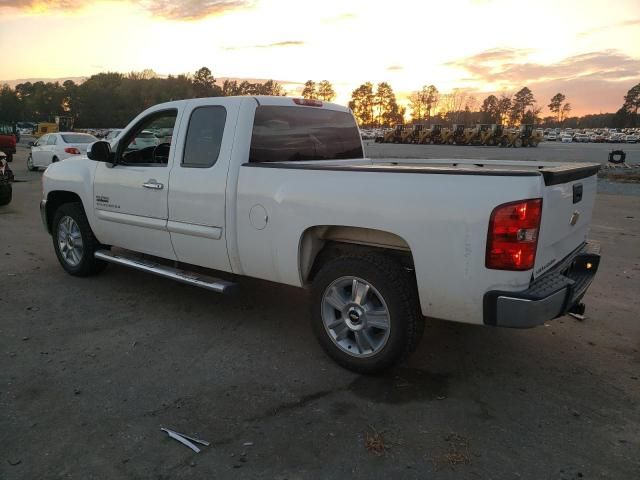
152, 184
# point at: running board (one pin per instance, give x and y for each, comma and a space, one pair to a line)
183, 276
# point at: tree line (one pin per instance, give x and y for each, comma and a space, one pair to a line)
113, 99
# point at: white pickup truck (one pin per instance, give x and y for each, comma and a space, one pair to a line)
279, 189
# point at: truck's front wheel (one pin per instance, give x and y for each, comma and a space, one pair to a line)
74, 241
365, 312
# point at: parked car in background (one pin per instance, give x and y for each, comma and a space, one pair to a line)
633, 138
54, 147
144, 139
7, 141
112, 134
551, 137
566, 139
581, 138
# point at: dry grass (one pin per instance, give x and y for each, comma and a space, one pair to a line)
374, 442
457, 453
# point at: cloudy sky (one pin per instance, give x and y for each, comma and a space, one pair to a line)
587, 49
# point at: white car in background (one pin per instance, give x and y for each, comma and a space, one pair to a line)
144, 139
551, 137
112, 134
633, 138
566, 139
55, 147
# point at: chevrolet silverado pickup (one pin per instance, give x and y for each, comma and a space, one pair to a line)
280, 189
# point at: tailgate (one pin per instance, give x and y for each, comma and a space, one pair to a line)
567, 206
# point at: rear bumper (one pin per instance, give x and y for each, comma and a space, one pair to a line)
550, 296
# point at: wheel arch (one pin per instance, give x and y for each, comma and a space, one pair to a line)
321, 243
56, 198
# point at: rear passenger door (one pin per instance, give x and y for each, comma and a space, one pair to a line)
198, 183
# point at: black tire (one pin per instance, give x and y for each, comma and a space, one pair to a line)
54, 159
399, 292
617, 156
6, 193
88, 264
9, 157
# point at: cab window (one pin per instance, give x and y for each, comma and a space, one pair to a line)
204, 137
52, 140
149, 142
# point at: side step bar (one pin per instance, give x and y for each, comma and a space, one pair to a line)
190, 278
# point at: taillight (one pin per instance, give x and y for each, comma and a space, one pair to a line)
72, 150
513, 235
307, 102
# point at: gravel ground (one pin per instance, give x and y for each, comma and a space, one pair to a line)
93, 368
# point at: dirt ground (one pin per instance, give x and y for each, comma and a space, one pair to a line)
91, 369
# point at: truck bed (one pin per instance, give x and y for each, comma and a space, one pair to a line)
553, 173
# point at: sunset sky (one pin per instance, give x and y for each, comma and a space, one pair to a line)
588, 49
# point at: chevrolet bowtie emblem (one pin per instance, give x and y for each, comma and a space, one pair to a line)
574, 218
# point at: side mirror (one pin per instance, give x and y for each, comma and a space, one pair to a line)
100, 151
31, 144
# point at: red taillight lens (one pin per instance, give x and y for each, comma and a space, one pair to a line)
72, 150
513, 235
307, 102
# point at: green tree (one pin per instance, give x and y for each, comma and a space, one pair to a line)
204, 84
309, 90
422, 102
504, 107
387, 112
326, 91
362, 104
522, 100
632, 104
10, 107
557, 106
490, 110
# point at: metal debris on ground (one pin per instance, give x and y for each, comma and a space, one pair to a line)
374, 442
184, 439
457, 454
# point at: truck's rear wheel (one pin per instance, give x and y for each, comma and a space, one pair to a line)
74, 241
365, 312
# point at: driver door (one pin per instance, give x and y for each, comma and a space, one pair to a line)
130, 197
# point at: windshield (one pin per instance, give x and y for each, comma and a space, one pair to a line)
79, 138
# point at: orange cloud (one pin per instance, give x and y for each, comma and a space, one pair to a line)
169, 9
286, 43
498, 66
610, 73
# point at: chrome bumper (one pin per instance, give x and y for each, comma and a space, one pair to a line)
550, 296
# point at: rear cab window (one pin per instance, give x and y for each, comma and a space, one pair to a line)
294, 133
